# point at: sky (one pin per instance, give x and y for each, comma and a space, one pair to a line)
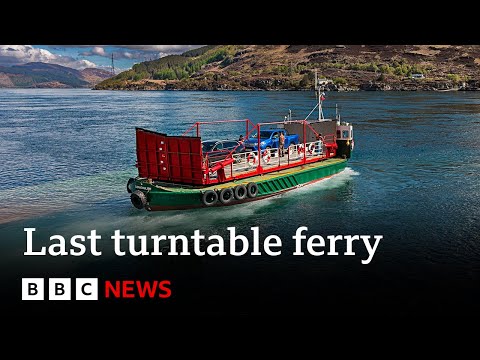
86, 56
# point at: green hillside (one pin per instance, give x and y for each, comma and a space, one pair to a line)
173, 67
292, 67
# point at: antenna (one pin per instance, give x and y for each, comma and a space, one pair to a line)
113, 67
320, 95
319, 92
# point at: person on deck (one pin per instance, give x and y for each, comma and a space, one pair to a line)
281, 144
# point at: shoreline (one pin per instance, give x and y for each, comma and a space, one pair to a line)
406, 85
252, 90
299, 90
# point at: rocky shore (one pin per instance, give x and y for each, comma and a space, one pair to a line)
266, 85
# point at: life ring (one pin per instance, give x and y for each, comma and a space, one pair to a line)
240, 192
266, 156
252, 190
225, 196
300, 148
138, 199
251, 159
311, 148
209, 198
130, 188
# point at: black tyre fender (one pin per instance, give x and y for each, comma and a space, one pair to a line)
226, 196
139, 199
209, 198
240, 192
130, 187
252, 190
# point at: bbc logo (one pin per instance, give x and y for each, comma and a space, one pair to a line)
60, 289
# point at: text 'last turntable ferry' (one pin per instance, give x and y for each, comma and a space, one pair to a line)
182, 172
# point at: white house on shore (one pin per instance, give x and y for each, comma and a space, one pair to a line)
417, 76
324, 81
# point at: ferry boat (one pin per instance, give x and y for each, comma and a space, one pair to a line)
174, 172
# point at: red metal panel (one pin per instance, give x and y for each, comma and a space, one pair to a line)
152, 156
186, 159
141, 153
169, 158
196, 159
186, 169
162, 157
174, 160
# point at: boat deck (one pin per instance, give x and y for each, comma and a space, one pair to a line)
275, 161
239, 169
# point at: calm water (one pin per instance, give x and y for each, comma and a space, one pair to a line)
66, 156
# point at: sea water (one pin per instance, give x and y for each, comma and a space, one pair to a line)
66, 156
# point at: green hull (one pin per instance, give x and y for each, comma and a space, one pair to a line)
163, 196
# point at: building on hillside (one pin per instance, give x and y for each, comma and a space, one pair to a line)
417, 76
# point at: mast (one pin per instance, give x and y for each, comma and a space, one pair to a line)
319, 92
320, 112
113, 67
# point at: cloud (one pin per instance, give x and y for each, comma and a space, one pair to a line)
138, 55
96, 50
22, 54
152, 52
165, 49
131, 55
138, 52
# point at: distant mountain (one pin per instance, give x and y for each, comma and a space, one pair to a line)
292, 67
94, 75
43, 75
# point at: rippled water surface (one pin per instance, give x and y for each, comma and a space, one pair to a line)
66, 155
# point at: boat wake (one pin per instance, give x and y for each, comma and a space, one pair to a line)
332, 182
